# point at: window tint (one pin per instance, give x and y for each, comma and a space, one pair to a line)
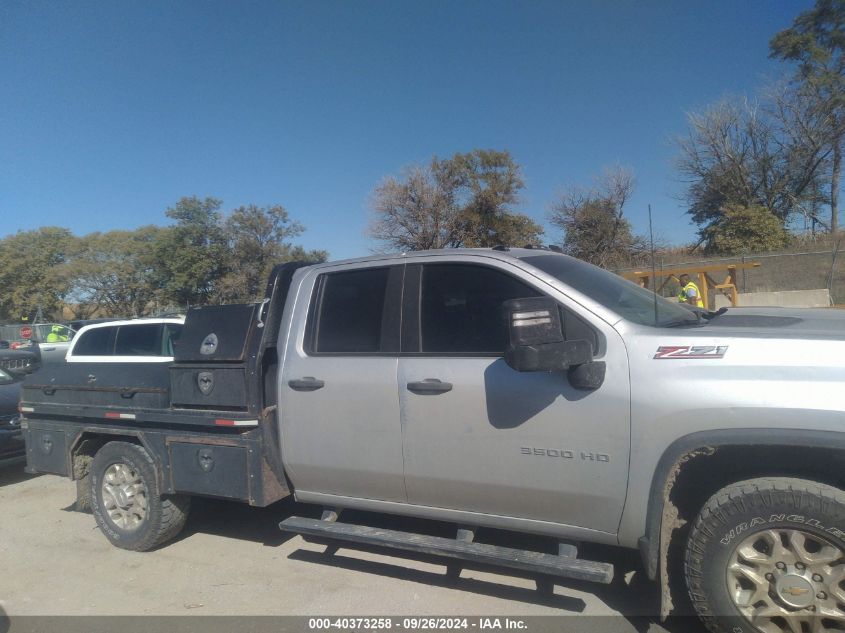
461, 308
96, 342
172, 332
138, 340
350, 310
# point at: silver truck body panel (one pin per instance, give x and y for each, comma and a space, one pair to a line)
481, 452
768, 378
520, 445
501, 443
460, 517
344, 438
517, 444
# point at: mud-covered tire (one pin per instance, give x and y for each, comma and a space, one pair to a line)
126, 500
757, 549
83, 494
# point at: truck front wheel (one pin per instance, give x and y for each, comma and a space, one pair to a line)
768, 555
126, 501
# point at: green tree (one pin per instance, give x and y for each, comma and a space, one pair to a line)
594, 227
486, 186
114, 273
191, 255
738, 152
466, 200
742, 229
34, 272
414, 213
816, 42
259, 238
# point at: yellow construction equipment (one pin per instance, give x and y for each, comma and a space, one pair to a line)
701, 274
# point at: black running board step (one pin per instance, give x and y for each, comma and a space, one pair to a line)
561, 566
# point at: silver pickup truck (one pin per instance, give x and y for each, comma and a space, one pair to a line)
516, 389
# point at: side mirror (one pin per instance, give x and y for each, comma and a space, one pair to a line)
536, 343
588, 376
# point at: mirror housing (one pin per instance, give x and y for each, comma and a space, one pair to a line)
588, 376
537, 343
549, 356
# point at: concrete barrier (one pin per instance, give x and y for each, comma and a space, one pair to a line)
781, 298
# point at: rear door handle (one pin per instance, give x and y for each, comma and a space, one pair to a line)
309, 383
430, 386
48, 349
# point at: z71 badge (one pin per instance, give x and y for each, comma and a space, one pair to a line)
688, 351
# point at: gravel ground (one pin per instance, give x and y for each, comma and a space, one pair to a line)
232, 560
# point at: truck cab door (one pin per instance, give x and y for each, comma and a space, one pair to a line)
482, 437
338, 404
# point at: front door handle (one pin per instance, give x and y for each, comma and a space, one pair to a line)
48, 349
430, 386
309, 383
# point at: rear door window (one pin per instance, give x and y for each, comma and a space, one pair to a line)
347, 315
96, 342
139, 340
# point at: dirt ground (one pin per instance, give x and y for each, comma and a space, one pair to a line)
232, 560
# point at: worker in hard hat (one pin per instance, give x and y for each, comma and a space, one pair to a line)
58, 334
689, 292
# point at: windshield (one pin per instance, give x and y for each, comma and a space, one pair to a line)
5, 378
613, 292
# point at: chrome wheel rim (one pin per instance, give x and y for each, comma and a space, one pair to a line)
124, 496
791, 581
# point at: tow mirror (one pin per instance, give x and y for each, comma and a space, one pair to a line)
588, 376
536, 337
536, 343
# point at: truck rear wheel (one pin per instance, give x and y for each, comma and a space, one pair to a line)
126, 501
768, 555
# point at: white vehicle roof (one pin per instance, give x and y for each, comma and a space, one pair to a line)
94, 326
178, 320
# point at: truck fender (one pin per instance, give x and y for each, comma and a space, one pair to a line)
86, 433
662, 516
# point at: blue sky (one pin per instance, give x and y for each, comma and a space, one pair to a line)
112, 111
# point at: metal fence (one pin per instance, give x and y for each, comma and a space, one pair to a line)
810, 270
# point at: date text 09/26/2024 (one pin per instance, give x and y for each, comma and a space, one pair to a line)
415, 624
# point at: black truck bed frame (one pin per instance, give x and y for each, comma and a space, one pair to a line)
208, 419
